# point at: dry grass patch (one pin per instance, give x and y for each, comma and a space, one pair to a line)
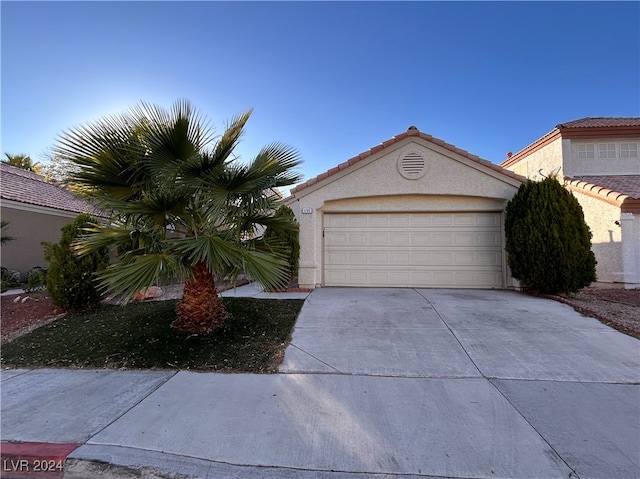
139, 336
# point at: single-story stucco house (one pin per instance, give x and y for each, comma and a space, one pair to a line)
599, 161
413, 211
36, 211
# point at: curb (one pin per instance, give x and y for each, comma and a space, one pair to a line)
34, 460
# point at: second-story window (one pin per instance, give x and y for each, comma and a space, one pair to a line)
586, 152
607, 151
628, 150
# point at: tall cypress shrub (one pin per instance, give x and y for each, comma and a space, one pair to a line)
70, 278
548, 242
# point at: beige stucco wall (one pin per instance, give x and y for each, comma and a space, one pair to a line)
30, 228
606, 241
451, 183
543, 162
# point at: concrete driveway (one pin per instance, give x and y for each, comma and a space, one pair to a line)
377, 384
505, 380
437, 333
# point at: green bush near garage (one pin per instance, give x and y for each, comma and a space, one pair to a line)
548, 242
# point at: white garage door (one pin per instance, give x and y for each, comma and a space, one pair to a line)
442, 250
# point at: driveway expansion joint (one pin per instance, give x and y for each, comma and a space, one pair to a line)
316, 358
573, 473
142, 398
455, 336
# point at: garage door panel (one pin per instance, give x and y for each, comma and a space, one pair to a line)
378, 259
399, 239
443, 258
333, 238
487, 219
337, 258
397, 220
378, 239
490, 238
442, 220
465, 239
489, 259
357, 239
420, 219
420, 250
420, 239
377, 220
399, 258
442, 239
462, 219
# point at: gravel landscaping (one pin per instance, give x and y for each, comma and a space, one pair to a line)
615, 307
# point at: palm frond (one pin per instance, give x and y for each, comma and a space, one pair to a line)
172, 136
133, 273
213, 250
267, 269
230, 139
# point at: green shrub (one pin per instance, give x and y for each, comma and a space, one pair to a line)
288, 239
548, 242
36, 279
70, 278
9, 278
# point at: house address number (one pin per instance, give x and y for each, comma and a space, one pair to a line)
307, 211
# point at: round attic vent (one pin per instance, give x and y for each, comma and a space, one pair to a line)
412, 166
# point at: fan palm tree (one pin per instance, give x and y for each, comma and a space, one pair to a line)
21, 161
182, 205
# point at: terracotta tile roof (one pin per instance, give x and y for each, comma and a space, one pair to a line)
411, 132
619, 190
626, 184
27, 187
600, 122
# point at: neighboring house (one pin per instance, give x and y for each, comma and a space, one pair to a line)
413, 211
599, 161
36, 211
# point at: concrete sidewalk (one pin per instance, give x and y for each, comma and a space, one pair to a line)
253, 290
377, 383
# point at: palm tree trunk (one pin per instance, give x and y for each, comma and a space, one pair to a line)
200, 310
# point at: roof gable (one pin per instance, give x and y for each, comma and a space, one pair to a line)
412, 132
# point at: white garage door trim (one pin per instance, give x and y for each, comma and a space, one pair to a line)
431, 249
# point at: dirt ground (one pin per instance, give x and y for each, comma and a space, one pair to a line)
618, 308
24, 312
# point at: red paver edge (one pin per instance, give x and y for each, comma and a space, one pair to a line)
34, 459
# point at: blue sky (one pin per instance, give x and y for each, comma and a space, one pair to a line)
329, 78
